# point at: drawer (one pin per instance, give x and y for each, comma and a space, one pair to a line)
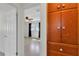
53, 7
60, 6
56, 53
68, 5
63, 48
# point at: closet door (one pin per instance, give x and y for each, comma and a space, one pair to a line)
53, 7
69, 26
68, 5
53, 27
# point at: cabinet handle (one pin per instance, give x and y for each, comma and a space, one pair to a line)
61, 49
63, 27
58, 28
58, 6
63, 5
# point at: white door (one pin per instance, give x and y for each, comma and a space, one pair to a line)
7, 30
1, 34
10, 33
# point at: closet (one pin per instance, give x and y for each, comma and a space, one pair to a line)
62, 29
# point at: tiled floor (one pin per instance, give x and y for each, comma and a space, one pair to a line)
32, 47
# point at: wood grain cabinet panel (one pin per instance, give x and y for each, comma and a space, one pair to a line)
54, 26
56, 53
68, 5
53, 7
60, 6
69, 26
62, 48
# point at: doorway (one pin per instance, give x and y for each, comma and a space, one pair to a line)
32, 30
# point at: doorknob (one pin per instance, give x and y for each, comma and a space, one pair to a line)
58, 6
63, 27
58, 28
61, 49
63, 5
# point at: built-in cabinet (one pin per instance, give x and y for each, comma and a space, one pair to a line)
62, 29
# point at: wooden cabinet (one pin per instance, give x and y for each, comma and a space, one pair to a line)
62, 30
60, 6
56, 7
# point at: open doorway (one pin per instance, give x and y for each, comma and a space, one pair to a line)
32, 30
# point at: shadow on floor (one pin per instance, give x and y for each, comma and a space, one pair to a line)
2, 54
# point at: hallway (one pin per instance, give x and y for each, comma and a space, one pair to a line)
32, 47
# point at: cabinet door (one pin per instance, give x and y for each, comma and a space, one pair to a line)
53, 7
53, 27
68, 5
69, 26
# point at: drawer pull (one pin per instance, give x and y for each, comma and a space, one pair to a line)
63, 28
61, 49
63, 5
58, 28
58, 6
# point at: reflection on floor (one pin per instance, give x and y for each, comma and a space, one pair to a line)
32, 47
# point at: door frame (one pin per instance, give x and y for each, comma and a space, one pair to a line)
43, 27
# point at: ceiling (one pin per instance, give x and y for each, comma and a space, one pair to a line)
33, 12
4, 7
24, 5
30, 9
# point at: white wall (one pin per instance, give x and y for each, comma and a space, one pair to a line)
43, 30
1, 33
35, 29
26, 29
33, 12
20, 12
